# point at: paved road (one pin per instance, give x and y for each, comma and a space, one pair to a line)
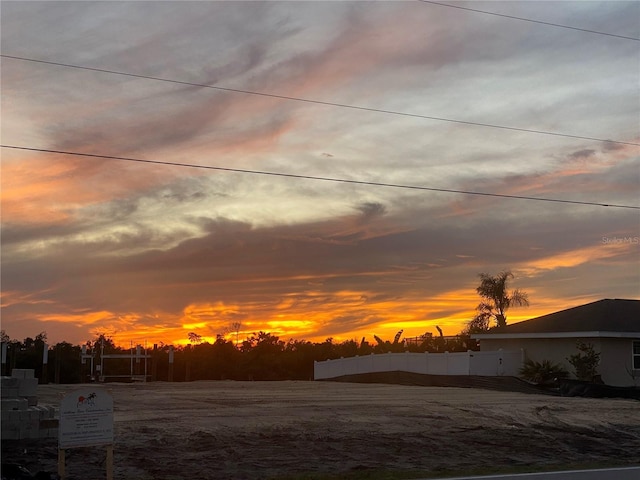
627, 473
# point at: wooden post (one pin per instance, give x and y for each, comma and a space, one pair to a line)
109, 462
61, 461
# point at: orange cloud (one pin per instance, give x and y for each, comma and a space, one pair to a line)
50, 188
577, 257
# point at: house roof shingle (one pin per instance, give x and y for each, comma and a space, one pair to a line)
608, 315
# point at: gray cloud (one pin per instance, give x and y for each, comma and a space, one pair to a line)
585, 153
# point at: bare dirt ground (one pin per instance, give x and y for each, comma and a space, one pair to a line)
260, 430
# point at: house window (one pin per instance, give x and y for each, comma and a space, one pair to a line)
636, 354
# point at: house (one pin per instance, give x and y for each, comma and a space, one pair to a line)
612, 326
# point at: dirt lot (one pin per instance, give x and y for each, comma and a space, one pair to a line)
258, 430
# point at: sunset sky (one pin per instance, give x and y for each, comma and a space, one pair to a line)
148, 252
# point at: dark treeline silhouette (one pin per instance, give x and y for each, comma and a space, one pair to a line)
262, 356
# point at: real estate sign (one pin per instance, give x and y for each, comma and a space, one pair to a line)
86, 418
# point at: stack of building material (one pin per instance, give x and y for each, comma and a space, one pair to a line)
22, 417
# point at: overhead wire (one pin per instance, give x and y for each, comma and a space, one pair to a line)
326, 179
523, 19
318, 102
341, 105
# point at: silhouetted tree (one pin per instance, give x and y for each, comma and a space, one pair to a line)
66, 358
235, 328
497, 300
264, 359
385, 346
195, 338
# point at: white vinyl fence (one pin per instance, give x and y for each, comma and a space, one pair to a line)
491, 364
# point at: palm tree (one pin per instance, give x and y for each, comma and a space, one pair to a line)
497, 298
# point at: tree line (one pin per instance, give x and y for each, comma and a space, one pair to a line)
262, 356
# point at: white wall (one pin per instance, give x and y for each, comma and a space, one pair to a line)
459, 363
615, 362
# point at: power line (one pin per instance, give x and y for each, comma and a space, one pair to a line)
326, 179
319, 102
530, 20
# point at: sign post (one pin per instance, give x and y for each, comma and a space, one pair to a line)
86, 420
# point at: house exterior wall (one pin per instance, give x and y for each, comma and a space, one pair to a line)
615, 355
616, 362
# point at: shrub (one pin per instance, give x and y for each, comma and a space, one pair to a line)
585, 363
542, 373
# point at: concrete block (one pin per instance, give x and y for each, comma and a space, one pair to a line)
28, 387
9, 404
11, 392
23, 373
32, 401
10, 432
43, 412
5, 415
9, 387
11, 421
9, 382
14, 404
48, 411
